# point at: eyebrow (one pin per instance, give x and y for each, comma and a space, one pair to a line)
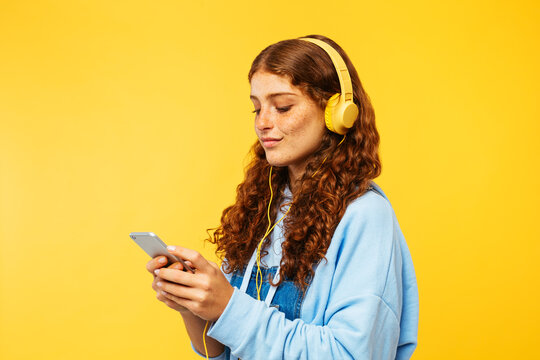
273, 95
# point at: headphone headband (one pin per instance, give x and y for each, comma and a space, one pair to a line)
341, 111
341, 68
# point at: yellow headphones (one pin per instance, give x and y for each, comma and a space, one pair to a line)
341, 111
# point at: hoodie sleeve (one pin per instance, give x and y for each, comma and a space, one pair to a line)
358, 299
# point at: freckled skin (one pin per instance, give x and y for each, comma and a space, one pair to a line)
300, 129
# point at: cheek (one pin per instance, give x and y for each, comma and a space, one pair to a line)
304, 123
311, 126
306, 134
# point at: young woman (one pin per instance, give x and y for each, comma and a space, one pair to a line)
315, 265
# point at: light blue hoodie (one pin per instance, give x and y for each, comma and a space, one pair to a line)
362, 302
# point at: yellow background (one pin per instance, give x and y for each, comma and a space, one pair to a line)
120, 116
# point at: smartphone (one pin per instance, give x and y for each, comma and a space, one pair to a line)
153, 246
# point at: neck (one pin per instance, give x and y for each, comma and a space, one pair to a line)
295, 174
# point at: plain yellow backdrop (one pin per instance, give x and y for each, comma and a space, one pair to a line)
120, 116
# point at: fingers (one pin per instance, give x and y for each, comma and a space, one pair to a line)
194, 257
180, 304
154, 283
179, 277
155, 263
179, 291
163, 295
169, 300
179, 266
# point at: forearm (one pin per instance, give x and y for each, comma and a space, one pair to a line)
195, 329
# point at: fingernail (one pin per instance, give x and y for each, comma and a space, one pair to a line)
159, 283
162, 260
171, 247
156, 271
163, 292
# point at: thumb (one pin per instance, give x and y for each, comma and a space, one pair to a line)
192, 256
176, 265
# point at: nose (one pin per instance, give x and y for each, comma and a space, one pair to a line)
264, 121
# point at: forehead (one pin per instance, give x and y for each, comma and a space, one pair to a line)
265, 85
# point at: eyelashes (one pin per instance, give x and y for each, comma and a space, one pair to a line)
283, 109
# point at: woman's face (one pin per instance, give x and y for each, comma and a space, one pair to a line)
289, 124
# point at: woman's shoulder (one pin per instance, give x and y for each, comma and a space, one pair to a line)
368, 225
365, 239
373, 204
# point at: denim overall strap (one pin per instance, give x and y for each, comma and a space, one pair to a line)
249, 269
272, 289
247, 273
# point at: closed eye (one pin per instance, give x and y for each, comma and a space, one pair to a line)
279, 109
284, 109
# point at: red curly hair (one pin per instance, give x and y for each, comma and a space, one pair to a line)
326, 188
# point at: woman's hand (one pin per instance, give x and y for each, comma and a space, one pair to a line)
159, 262
205, 293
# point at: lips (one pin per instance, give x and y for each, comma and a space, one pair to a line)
270, 142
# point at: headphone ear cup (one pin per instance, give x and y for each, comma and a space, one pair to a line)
329, 111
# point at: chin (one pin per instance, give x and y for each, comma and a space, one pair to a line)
276, 161
277, 164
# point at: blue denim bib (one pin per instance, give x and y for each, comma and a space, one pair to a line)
288, 297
